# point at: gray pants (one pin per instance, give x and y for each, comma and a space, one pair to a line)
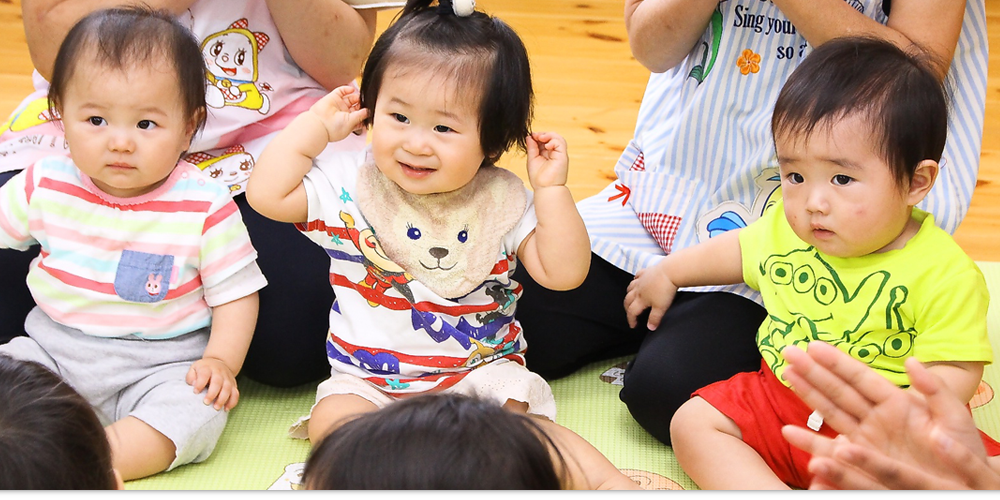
123, 377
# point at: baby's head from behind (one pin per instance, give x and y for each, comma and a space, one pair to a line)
437, 441
477, 60
50, 437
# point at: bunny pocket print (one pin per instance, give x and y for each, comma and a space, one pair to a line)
143, 277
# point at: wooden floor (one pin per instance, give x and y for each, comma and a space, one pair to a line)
588, 87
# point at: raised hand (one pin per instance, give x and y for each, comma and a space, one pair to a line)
340, 112
548, 162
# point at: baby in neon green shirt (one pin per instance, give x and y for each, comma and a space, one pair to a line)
843, 257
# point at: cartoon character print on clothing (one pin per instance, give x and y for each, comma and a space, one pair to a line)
34, 113
482, 340
231, 58
143, 277
504, 298
153, 284
734, 215
231, 167
34, 131
383, 273
811, 284
447, 241
489, 350
701, 71
381, 363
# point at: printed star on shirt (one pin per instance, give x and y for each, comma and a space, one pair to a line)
344, 196
336, 239
395, 384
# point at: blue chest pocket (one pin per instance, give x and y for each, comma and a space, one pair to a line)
143, 277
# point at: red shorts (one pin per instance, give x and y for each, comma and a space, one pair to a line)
760, 405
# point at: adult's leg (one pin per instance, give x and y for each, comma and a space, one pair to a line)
703, 338
289, 343
15, 300
566, 330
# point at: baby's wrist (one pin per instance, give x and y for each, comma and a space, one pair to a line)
547, 186
310, 132
217, 360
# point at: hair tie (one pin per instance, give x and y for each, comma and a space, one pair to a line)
461, 8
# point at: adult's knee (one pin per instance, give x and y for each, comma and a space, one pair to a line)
15, 298
652, 399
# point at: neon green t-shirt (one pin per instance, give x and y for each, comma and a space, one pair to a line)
928, 299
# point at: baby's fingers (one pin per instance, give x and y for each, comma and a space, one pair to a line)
198, 378
226, 394
215, 388
634, 306
331, 102
531, 146
343, 97
655, 316
234, 397
551, 140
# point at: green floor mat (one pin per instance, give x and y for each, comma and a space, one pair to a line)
255, 452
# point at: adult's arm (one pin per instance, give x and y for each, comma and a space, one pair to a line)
328, 39
662, 32
46, 23
933, 25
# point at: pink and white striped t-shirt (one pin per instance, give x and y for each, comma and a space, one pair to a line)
116, 267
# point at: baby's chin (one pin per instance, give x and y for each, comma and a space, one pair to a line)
840, 250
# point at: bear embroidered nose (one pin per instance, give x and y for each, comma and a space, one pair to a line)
438, 252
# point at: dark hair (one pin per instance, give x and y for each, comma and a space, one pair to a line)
436, 441
50, 437
479, 50
897, 93
125, 36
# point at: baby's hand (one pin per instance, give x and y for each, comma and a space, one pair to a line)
221, 383
548, 163
340, 112
650, 289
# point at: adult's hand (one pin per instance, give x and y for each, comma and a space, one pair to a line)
891, 438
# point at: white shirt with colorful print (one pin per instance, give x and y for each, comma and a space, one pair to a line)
385, 326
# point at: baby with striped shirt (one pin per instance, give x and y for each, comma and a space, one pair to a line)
147, 281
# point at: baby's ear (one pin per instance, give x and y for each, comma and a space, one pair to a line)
922, 181
192, 126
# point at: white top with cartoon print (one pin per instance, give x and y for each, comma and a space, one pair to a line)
254, 89
389, 328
